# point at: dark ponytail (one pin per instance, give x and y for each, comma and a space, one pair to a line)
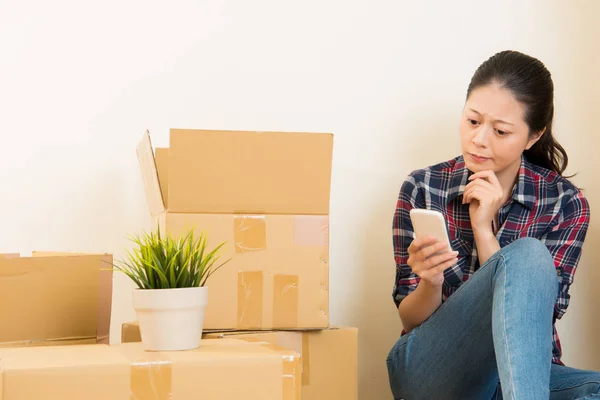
531, 83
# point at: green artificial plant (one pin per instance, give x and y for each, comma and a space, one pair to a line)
161, 262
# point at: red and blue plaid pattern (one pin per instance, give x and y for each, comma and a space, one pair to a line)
543, 205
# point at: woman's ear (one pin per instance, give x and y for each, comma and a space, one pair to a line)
534, 138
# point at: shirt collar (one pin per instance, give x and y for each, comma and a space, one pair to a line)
523, 192
525, 188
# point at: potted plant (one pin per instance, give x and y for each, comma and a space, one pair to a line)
171, 295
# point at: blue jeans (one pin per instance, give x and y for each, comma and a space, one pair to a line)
492, 338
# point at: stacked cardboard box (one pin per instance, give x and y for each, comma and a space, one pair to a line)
329, 357
266, 194
54, 324
218, 370
55, 298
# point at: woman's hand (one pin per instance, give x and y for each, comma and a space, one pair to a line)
484, 195
429, 258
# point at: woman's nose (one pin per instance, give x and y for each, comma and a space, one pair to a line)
481, 136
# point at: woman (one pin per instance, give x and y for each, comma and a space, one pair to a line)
479, 318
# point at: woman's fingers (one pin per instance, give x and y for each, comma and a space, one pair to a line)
444, 266
487, 175
419, 243
433, 262
485, 181
480, 192
439, 268
426, 252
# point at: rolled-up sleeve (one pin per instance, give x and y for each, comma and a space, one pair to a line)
565, 242
410, 197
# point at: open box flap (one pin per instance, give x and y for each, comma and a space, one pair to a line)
152, 188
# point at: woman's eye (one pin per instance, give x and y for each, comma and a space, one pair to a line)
501, 133
473, 122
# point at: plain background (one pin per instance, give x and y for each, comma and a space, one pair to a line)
81, 81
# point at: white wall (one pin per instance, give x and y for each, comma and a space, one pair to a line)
387, 77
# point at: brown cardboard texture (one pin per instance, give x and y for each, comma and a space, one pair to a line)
50, 342
270, 282
161, 157
54, 298
329, 357
10, 255
261, 371
278, 276
148, 167
130, 332
239, 172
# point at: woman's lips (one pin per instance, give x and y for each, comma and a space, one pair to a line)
478, 159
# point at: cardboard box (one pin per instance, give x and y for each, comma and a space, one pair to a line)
218, 370
250, 172
265, 194
55, 298
329, 357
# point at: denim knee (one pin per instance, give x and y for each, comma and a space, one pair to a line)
529, 256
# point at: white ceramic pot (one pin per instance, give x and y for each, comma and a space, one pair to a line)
170, 319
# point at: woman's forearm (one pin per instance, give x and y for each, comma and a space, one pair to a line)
487, 244
419, 305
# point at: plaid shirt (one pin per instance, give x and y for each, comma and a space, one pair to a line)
543, 205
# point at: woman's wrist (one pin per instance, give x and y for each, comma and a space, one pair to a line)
483, 229
487, 244
431, 286
484, 235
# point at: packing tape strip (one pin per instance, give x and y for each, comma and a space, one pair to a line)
292, 386
300, 343
311, 230
151, 377
285, 301
292, 370
250, 233
250, 299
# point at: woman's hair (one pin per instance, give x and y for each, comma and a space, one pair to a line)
531, 83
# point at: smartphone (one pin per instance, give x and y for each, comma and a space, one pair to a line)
429, 223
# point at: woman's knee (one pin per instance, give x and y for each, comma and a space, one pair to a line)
529, 245
531, 257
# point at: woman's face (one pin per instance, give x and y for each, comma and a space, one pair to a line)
493, 132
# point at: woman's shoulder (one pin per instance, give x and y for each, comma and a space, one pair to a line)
549, 178
552, 185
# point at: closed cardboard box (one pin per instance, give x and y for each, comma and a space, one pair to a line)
266, 194
55, 298
329, 357
218, 370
